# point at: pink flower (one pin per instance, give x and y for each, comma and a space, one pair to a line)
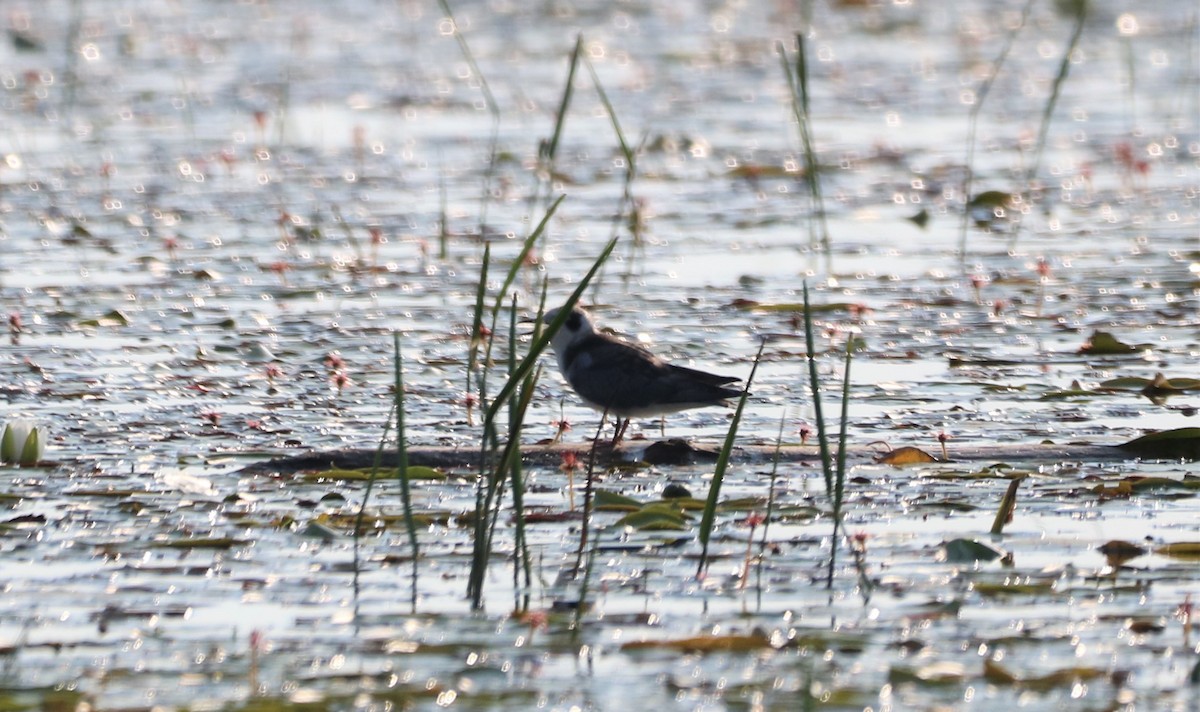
570, 461
754, 519
334, 361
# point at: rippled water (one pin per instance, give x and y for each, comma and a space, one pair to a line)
189, 196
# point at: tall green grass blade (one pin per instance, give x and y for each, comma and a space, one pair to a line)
973, 123
402, 466
774, 476
356, 535
834, 471
487, 515
839, 475
510, 464
493, 109
625, 212
375, 465
539, 345
516, 418
814, 383
481, 549
548, 149
585, 524
626, 151
515, 268
477, 318
714, 489
584, 588
1008, 503
1080, 8
560, 119
818, 229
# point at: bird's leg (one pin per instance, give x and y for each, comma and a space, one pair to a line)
622, 425
662, 426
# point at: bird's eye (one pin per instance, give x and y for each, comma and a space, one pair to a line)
573, 322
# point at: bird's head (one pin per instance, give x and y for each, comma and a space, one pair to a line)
577, 326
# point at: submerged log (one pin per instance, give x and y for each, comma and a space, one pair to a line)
680, 452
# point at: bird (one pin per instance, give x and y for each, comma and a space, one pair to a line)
614, 376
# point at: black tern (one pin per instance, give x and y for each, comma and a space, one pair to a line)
617, 377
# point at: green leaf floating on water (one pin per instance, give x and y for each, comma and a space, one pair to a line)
1125, 383
1189, 550
607, 500
415, 472
1159, 382
705, 644
113, 318
1000, 589
963, 551
1102, 343
655, 517
942, 673
1075, 391
990, 199
223, 542
1177, 444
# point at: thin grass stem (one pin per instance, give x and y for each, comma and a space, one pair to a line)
818, 230
488, 485
626, 212
402, 467
585, 525
708, 519
1080, 8
834, 470
814, 383
839, 483
548, 148
973, 123
493, 109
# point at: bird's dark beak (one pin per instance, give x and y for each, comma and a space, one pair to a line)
529, 326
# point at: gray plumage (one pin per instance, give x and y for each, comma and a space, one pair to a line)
611, 374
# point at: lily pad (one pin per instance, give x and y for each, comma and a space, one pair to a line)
964, 551
990, 199
1177, 444
607, 500
906, 456
1102, 343
1189, 550
655, 517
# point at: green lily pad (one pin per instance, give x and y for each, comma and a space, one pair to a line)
1102, 343
1189, 550
995, 590
201, 542
991, 199
655, 517
415, 472
965, 551
1177, 444
113, 318
609, 501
